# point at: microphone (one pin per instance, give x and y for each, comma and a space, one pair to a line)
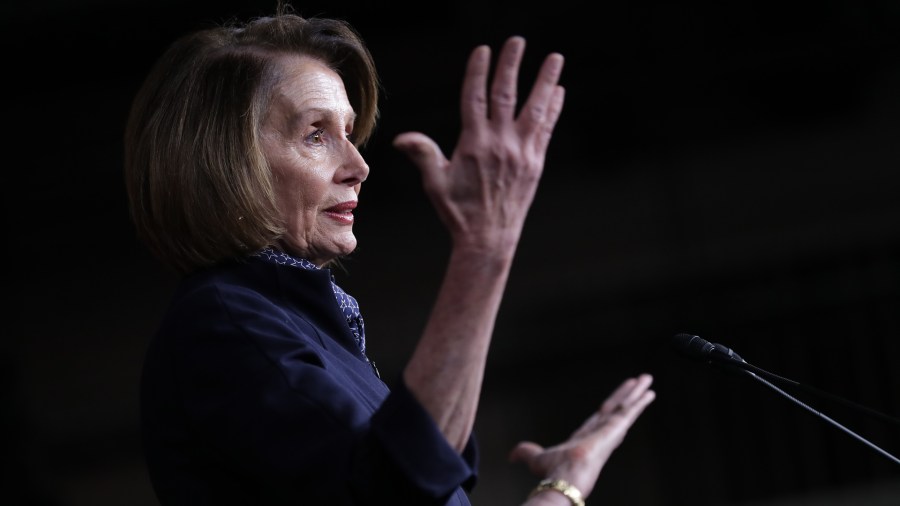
697, 348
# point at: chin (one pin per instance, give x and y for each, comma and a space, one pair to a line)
339, 251
346, 246
347, 251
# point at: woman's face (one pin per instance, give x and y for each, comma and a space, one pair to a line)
316, 168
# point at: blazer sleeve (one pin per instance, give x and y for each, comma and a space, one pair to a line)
244, 398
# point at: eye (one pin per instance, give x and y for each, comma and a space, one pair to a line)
317, 137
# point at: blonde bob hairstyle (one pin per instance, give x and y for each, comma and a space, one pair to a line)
200, 191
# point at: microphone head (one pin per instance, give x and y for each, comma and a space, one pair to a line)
692, 346
697, 348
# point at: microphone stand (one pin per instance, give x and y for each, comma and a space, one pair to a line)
758, 374
808, 389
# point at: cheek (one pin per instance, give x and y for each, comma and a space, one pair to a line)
300, 193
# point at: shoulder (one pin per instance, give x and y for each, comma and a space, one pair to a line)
230, 315
254, 302
239, 296
235, 287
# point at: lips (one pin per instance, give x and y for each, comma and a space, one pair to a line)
342, 212
343, 207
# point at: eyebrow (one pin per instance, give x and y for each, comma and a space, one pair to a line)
300, 115
322, 111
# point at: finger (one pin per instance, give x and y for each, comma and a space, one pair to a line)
553, 112
473, 100
539, 110
614, 401
614, 425
637, 405
623, 418
645, 399
642, 385
525, 451
628, 396
619, 422
424, 153
504, 89
627, 393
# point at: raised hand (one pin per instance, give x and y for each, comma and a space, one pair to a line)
483, 192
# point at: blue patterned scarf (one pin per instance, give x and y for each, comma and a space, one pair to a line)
347, 303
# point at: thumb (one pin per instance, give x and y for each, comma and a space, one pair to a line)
422, 151
526, 452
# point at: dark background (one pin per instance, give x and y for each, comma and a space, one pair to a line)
729, 170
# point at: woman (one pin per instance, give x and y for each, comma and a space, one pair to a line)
243, 170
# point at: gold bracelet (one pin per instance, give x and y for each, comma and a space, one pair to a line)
561, 486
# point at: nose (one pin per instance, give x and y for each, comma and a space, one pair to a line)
354, 170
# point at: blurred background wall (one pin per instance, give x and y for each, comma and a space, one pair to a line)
729, 170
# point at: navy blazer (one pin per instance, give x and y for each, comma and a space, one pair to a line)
254, 391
